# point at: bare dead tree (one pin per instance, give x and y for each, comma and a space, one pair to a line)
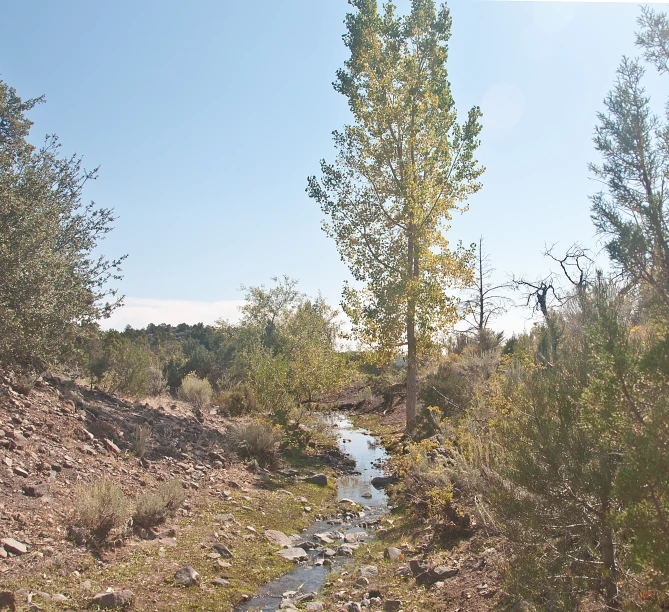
577, 267
487, 299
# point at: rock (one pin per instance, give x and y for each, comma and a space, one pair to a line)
220, 582
403, 571
369, 571
318, 479
362, 581
324, 537
77, 534
3, 553
391, 605
392, 553
186, 576
418, 567
18, 441
346, 550
36, 490
58, 597
314, 606
366, 495
436, 574
380, 482
353, 606
113, 599
14, 546
295, 554
19, 471
112, 447
442, 572
279, 538
222, 550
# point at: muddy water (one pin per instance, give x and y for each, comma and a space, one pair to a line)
308, 576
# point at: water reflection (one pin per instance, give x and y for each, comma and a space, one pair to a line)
309, 576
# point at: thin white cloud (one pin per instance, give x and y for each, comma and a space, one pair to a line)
139, 312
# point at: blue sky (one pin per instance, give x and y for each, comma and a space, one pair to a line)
206, 117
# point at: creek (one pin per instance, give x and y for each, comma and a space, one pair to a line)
308, 576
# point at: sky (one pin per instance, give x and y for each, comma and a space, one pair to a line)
207, 117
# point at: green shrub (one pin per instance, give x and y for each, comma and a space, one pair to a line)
101, 507
196, 391
236, 402
128, 368
258, 440
153, 508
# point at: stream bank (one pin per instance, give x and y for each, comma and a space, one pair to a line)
329, 544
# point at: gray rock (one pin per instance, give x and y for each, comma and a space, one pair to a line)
380, 482
318, 479
405, 570
279, 538
222, 550
353, 606
186, 576
442, 572
295, 554
392, 553
14, 546
418, 567
369, 571
314, 606
362, 581
391, 605
114, 599
220, 582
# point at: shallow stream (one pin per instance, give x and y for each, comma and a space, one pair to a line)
309, 576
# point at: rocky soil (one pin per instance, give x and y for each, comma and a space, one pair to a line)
60, 436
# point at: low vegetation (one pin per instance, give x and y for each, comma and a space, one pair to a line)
257, 440
102, 507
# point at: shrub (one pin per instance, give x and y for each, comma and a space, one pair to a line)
257, 440
24, 383
157, 383
129, 367
141, 441
238, 401
196, 391
101, 507
173, 495
153, 508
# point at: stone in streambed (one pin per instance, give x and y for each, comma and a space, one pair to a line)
294, 554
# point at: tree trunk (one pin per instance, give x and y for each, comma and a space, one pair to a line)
606, 539
611, 578
412, 378
412, 365
481, 295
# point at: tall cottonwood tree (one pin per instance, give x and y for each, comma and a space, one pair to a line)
403, 167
